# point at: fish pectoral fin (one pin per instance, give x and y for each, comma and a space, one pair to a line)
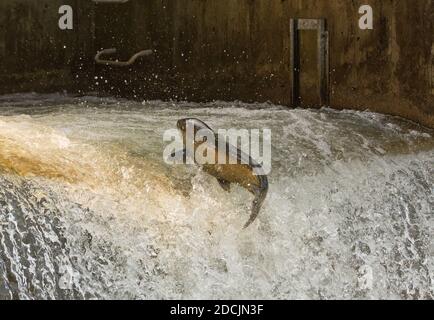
177, 156
225, 185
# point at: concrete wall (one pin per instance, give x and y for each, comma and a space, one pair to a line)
239, 50
35, 55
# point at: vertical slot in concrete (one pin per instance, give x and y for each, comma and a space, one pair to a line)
309, 59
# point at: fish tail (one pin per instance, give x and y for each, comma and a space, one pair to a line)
260, 196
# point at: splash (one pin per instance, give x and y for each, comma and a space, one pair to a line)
90, 210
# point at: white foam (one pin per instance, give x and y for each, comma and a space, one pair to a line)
349, 212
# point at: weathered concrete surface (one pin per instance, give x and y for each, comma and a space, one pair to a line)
231, 50
35, 55
239, 50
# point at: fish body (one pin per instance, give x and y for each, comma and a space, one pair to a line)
238, 167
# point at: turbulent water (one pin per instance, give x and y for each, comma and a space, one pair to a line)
89, 209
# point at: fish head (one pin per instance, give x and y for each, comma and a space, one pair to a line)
194, 126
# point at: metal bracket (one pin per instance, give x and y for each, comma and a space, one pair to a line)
98, 60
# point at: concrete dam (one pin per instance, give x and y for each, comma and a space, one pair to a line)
90, 208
